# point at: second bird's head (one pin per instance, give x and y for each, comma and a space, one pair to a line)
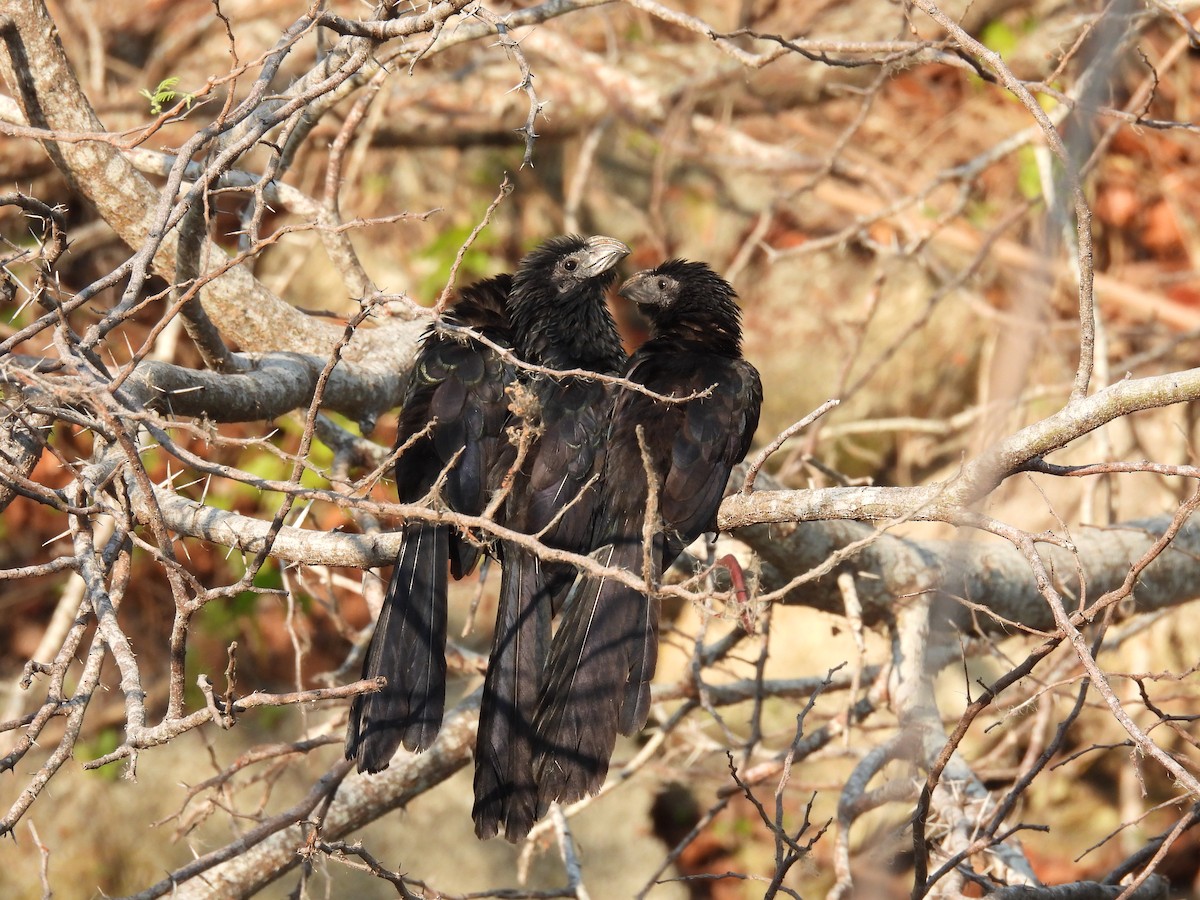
678, 286
687, 299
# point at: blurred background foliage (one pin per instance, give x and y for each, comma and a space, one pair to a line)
823, 192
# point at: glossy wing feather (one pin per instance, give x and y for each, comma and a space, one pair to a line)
453, 420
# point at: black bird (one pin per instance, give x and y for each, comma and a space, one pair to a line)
560, 321
603, 655
454, 415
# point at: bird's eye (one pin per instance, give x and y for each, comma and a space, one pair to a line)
570, 265
662, 284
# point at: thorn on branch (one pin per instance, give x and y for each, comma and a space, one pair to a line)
230, 679
513, 48
224, 721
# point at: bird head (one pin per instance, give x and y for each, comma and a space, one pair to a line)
565, 264
679, 284
558, 306
686, 300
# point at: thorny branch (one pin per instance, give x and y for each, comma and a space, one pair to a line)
150, 468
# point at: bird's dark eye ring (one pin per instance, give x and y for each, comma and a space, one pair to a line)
662, 284
570, 265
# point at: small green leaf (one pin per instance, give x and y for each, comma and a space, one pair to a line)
165, 93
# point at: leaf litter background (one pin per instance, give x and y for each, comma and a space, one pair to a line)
776, 176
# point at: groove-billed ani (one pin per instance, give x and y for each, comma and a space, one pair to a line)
454, 414
560, 321
603, 655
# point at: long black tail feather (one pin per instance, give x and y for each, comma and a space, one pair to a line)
505, 793
409, 649
597, 679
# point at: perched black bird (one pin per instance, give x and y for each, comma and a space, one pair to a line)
454, 415
560, 321
603, 656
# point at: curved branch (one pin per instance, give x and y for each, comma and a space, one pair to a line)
951, 501
269, 386
987, 585
1155, 887
261, 858
36, 69
21, 444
